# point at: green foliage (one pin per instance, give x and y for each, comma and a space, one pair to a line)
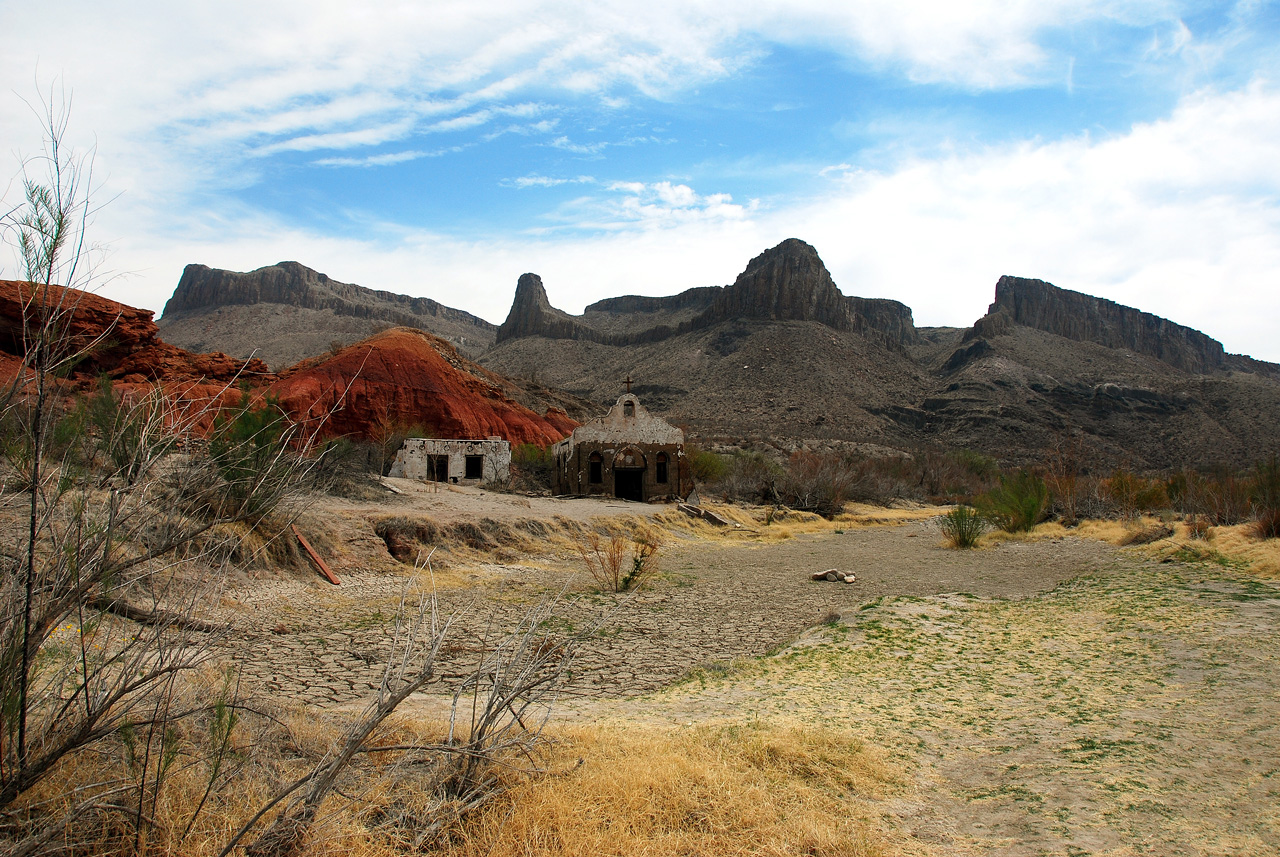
975, 463
1018, 503
963, 526
531, 466
1132, 494
707, 467
247, 449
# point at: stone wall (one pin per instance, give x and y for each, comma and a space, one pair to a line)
416, 458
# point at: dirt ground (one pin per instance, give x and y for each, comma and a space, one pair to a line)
1055, 696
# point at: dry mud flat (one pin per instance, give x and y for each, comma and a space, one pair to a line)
1044, 697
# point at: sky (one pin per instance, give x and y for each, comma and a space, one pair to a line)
1129, 149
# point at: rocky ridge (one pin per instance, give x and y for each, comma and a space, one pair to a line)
786, 283
287, 311
1084, 318
782, 357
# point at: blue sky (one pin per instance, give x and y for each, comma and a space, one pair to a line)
1125, 149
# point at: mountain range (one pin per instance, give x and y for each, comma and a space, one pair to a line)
782, 357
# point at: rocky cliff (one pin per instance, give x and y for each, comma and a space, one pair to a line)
287, 311
115, 340
786, 283
1084, 318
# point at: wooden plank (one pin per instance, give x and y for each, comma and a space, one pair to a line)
315, 558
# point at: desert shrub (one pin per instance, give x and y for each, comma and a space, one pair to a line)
1220, 496
1132, 494
612, 566
1199, 527
248, 448
821, 484
955, 475
1266, 498
531, 467
1018, 503
707, 467
346, 468
963, 526
750, 475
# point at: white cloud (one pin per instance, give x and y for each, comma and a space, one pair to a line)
546, 181
651, 206
1180, 217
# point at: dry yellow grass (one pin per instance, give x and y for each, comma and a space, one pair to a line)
708, 790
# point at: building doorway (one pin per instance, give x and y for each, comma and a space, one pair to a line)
438, 468
628, 483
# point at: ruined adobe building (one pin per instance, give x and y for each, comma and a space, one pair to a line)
628, 453
457, 461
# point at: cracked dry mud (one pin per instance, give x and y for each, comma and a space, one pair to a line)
715, 601
1059, 696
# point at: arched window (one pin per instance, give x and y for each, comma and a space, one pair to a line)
628, 409
662, 468
596, 469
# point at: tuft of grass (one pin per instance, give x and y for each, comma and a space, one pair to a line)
1018, 503
963, 526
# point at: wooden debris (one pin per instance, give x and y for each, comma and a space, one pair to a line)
315, 558
705, 514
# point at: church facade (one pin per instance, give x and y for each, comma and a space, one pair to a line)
628, 453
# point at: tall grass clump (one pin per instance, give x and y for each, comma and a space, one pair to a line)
963, 526
1018, 503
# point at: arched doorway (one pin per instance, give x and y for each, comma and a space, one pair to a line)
629, 467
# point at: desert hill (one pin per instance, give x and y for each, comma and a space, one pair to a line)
286, 312
782, 355
406, 380
395, 380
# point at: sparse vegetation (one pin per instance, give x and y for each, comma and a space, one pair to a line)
1018, 503
619, 564
963, 526
1266, 497
531, 467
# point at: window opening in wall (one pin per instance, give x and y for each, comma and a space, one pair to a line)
595, 468
661, 476
475, 467
628, 409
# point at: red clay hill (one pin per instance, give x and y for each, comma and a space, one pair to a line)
400, 378
405, 378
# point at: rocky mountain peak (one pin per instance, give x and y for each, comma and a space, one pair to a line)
1084, 318
787, 282
533, 315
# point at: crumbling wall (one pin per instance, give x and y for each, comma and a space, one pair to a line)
414, 460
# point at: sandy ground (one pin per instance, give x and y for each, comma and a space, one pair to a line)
1059, 696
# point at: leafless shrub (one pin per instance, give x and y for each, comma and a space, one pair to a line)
615, 566
117, 541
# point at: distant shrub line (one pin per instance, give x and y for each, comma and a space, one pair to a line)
1009, 499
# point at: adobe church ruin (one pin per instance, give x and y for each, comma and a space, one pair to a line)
628, 453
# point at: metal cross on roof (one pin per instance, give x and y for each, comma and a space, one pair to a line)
628, 382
